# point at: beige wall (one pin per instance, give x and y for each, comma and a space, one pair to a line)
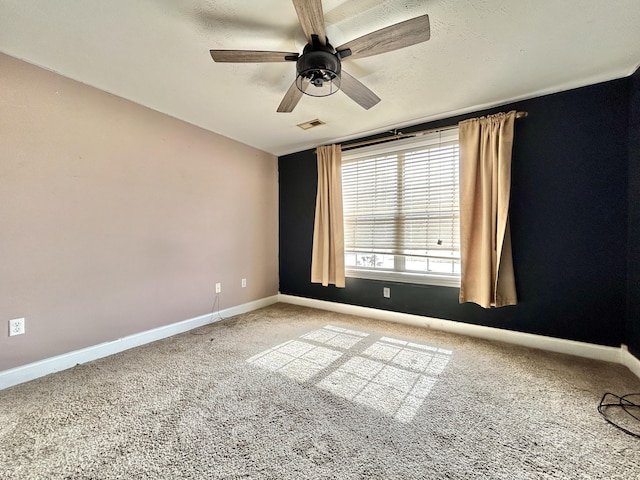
115, 219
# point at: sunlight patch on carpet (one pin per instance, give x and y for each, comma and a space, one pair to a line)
390, 375
296, 359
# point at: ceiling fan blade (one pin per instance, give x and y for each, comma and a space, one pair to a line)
355, 90
311, 19
252, 56
292, 97
400, 35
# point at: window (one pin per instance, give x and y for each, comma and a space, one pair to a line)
401, 210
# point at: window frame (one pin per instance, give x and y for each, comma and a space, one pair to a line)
399, 273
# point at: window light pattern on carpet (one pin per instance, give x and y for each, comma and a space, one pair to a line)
390, 375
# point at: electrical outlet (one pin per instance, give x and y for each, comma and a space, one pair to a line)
244, 283
386, 292
218, 287
16, 327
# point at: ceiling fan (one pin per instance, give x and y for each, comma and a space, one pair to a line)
319, 68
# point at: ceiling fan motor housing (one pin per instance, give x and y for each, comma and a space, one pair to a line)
320, 65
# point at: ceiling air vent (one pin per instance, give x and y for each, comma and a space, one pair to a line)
311, 124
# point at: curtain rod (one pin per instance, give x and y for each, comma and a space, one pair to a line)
397, 136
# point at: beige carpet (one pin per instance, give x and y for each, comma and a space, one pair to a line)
294, 393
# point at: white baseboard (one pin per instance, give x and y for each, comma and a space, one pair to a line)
630, 361
58, 363
571, 347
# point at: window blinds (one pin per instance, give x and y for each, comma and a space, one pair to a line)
402, 197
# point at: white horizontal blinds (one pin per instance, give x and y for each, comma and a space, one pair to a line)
370, 201
402, 197
429, 214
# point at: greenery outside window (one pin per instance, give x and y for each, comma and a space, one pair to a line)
401, 210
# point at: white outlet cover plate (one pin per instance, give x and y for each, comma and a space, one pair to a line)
16, 327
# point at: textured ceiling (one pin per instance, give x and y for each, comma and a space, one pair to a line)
481, 53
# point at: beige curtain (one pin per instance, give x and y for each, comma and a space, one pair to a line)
485, 188
327, 261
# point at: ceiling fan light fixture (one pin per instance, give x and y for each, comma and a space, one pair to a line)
320, 67
322, 82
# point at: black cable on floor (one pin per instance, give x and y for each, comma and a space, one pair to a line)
216, 301
624, 403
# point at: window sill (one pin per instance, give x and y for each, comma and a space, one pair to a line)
405, 277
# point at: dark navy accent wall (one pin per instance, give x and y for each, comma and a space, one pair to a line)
568, 222
633, 291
